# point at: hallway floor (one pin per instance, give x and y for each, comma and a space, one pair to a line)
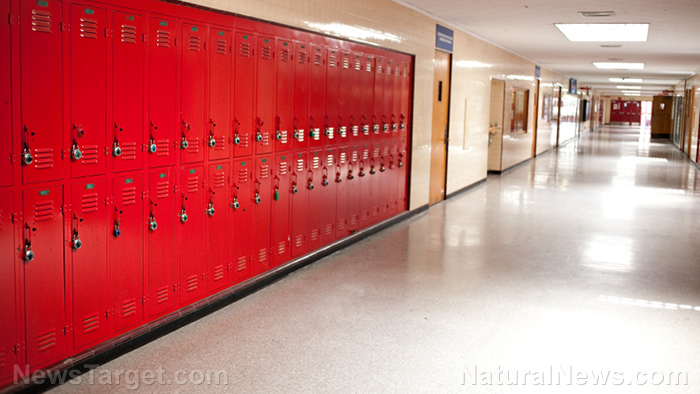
581, 263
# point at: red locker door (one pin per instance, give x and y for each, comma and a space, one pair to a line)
162, 92
365, 186
127, 87
369, 126
396, 106
41, 75
192, 94
88, 244
405, 99
403, 171
355, 81
244, 85
332, 119
127, 252
262, 205
5, 103
9, 337
352, 188
44, 298
281, 205
161, 241
379, 100
388, 96
217, 228
300, 203
375, 195
220, 106
88, 68
340, 179
284, 95
329, 195
312, 180
384, 180
300, 122
393, 177
265, 96
242, 217
317, 97
191, 227
346, 117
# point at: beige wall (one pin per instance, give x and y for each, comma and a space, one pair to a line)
474, 63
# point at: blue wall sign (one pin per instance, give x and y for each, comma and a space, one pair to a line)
572, 86
444, 38
537, 71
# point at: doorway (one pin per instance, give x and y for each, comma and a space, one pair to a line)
439, 139
497, 106
536, 119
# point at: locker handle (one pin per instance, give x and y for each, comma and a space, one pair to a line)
338, 177
235, 204
183, 215
210, 209
152, 224
236, 139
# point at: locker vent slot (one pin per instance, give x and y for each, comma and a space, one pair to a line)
128, 308
365, 154
221, 46
346, 63
89, 203
332, 60
353, 220
192, 184
163, 190
329, 160
398, 72
266, 52
129, 195
262, 255
373, 212
388, 69
163, 147
219, 180
245, 49
314, 234
88, 28
281, 248
43, 210
354, 155
91, 323
285, 55
368, 66
264, 171
283, 133
218, 272
376, 153
265, 139
195, 43
299, 241
315, 162
318, 59
128, 151
245, 138
242, 263
46, 340
220, 143
163, 40
193, 145
329, 230
43, 158
385, 151
358, 65
243, 175
163, 295
379, 68
342, 158
363, 216
90, 154
192, 283
41, 21
300, 165
301, 58
129, 34
2, 358
283, 168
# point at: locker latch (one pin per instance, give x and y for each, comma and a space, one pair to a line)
183, 215
382, 168
212, 141
27, 157
372, 171
210, 209
76, 242
311, 184
391, 163
152, 224
362, 170
235, 204
236, 139
324, 182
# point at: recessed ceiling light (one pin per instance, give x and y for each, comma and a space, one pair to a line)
604, 32
596, 14
625, 80
632, 94
632, 91
611, 46
629, 87
619, 66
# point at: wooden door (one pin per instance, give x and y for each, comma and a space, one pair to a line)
441, 106
537, 117
498, 91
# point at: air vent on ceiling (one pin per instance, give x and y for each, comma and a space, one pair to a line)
610, 46
596, 14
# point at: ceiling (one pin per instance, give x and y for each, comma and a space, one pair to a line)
526, 27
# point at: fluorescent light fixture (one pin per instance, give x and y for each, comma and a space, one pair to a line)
596, 14
604, 32
629, 87
521, 77
625, 80
632, 91
618, 66
353, 32
632, 94
472, 64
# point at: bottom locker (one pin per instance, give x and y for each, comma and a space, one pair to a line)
352, 189
281, 210
126, 236
217, 228
191, 228
375, 178
262, 204
162, 267
329, 196
394, 178
363, 170
9, 331
402, 164
299, 203
241, 219
339, 177
315, 212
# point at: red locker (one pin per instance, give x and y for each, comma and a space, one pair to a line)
388, 98
281, 210
379, 99
302, 72
265, 96
353, 192
369, 126
162, 266
88, 245
41, 75
332, 120
244, 85
241, 219
220, 105
393, 180
126, 234
127, 91
405, 99
365, 185
346, 100
396, 106
315, 210
9, 332
88, 69
217, 236
191, 228
317, 97
262, 205
329, 200
376, 183
340, 174
5, 104
300, 203
192, 94
402, 164
384, 180
44, 298
162, 94
284, 95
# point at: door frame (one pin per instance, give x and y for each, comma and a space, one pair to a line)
447, 128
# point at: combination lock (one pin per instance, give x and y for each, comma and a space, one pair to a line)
27, 157
116, 150
210, 210
152, 224
212, 142
183, 216
236, 139
75, 153
235, 203
152, 146
184, 144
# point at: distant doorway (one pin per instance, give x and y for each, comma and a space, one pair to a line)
439, 139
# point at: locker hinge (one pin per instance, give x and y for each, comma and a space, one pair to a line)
108, 313
65, 209
204, 184
108, 32
176, 287
205, 45
175, 189
65, 26
16, 349
14, 158
108, 150
144, 37
175, 41
16, 218
67, 329
145, 194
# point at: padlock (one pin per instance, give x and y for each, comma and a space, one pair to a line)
294, 189
362, 173
184, 144
312, 134
257, 198
27, 157
183, 216
372, 171
235, 203
296, 134
338, 178
277, 193
116, 150
212, 141
152, 224
325, 181
117, 232
28, 255
210, 210
236, 139
350, 176
152, 146
393, 126
258, 136
328, 131
77, 243
75, 152
278, 135
381, 168
311, 185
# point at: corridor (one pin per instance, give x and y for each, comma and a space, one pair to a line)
584, 260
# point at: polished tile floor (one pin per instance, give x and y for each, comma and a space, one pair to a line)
582, 264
